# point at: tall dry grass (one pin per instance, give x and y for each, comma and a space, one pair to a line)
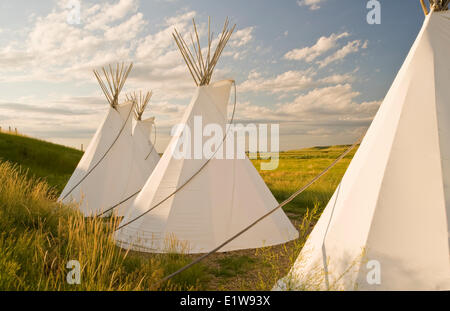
39, 236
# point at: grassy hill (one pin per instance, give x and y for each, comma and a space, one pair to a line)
38, 236
54, 163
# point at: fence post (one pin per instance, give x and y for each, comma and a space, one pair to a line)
16, 130
9, 129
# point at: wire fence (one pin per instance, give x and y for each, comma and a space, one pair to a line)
9, 130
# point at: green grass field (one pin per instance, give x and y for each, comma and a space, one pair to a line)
297, 167
38, 236
54, 163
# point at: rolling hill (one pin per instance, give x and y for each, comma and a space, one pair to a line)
52, 162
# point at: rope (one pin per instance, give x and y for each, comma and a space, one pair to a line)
190, 178
288, 200
134, 194
101, 159
118, 204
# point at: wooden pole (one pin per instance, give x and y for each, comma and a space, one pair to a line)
424, 7
16, 130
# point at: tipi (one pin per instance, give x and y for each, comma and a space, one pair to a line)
193, 205
387, 225
104, 177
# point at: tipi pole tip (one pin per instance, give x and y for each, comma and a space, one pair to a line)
446, 4
201, 67
115, 80
424, 7
140, 102
435, 5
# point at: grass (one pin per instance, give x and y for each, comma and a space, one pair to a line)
38, 236
233, 266
54, 163
297, 167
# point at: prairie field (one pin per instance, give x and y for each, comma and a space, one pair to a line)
39, 236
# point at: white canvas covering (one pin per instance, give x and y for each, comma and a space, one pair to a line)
225, 197
101, 181
145, 159
392, 206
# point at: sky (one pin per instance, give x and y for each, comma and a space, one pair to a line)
315, 67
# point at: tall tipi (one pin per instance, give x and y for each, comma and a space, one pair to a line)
103, 178
192, 205
387, 225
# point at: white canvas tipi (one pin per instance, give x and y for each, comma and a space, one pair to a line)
193, 205
104, 176
387, 225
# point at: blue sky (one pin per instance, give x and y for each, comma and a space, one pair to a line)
316, 67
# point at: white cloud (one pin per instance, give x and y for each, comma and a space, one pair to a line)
54, 50
322, 116
55, 116
311, 4
51, 50
129, 28
242, 37
332, 104
349, 48
289, 81
323, 44
176, 21
336, 79
99, 16
285, 82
